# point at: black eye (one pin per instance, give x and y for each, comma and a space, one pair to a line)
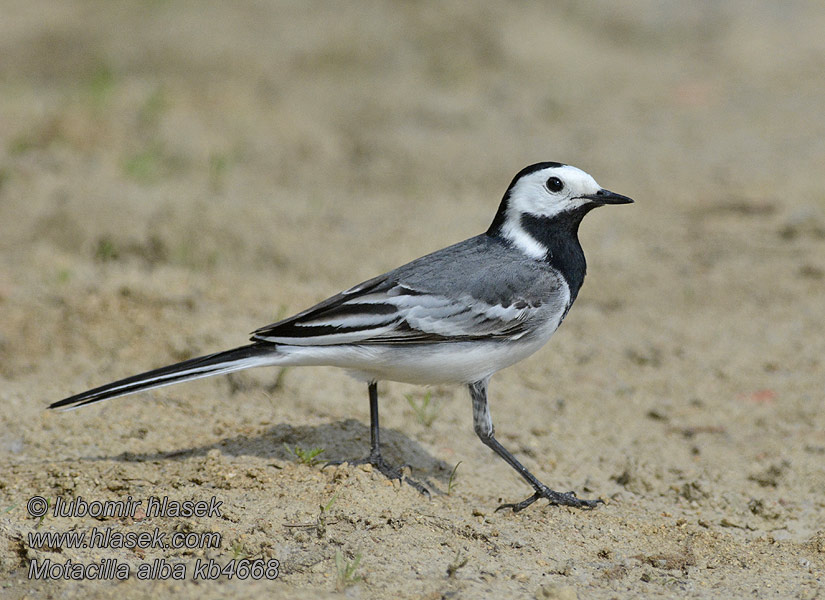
554, 184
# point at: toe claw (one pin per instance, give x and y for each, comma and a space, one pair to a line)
554, 499
377, 461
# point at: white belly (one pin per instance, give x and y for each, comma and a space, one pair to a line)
449, 362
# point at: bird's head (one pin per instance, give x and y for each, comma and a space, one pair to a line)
550, 192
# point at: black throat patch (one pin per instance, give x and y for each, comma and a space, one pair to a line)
560, 235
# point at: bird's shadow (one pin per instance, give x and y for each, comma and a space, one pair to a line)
340, 440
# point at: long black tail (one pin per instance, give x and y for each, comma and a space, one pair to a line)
253, 355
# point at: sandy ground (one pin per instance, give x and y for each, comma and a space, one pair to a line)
174, 175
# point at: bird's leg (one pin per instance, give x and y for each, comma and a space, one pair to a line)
483, 425
375, 458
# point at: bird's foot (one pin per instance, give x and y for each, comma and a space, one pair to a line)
387, 470
554, 498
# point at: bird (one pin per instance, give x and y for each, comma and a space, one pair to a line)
455, 316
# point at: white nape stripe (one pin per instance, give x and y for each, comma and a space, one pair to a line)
514, 232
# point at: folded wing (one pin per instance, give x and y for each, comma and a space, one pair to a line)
386, 312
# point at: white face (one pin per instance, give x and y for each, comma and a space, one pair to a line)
551, 191
545, 193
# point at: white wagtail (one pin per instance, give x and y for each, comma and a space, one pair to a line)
457, 315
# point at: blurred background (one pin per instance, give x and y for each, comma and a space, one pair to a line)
338, 141
174, 174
